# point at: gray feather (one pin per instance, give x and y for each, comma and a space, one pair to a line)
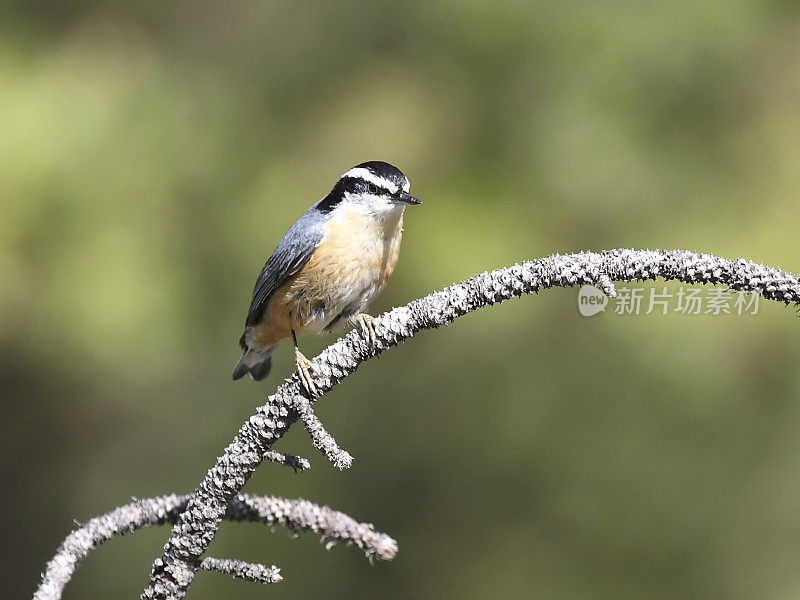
255, 363
292, 252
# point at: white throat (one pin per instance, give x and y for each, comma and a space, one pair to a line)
377, 208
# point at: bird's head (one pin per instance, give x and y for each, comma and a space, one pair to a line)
375, 186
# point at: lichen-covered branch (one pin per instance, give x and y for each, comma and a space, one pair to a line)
333, 526
298, 463
320, 438
242, 570
172, 572
295, 515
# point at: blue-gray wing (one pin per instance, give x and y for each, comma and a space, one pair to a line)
293, 251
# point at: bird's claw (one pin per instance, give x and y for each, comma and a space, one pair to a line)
304, 372
367, 324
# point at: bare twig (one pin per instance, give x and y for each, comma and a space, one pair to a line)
296, 515
242, 570
298, 463
320, 438
604, 283
332, 525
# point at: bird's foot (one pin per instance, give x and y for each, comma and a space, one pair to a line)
304, 372
367, 325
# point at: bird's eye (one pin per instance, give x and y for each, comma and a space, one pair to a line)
372, 188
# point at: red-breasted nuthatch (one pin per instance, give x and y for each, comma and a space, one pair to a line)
328, 268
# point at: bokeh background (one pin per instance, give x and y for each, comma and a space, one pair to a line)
151, 155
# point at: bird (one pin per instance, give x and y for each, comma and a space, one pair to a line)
328, 267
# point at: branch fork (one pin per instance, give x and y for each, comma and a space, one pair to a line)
198, 520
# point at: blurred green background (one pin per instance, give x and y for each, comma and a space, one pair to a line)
152, 155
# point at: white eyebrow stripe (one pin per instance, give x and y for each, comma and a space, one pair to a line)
367, 175
406, 186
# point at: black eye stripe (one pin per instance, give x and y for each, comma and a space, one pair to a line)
363, 186
352, 185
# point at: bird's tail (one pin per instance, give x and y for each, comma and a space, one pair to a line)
255, 362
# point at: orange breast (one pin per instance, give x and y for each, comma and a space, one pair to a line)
347, 271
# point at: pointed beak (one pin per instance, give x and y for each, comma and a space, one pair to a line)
408, 198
